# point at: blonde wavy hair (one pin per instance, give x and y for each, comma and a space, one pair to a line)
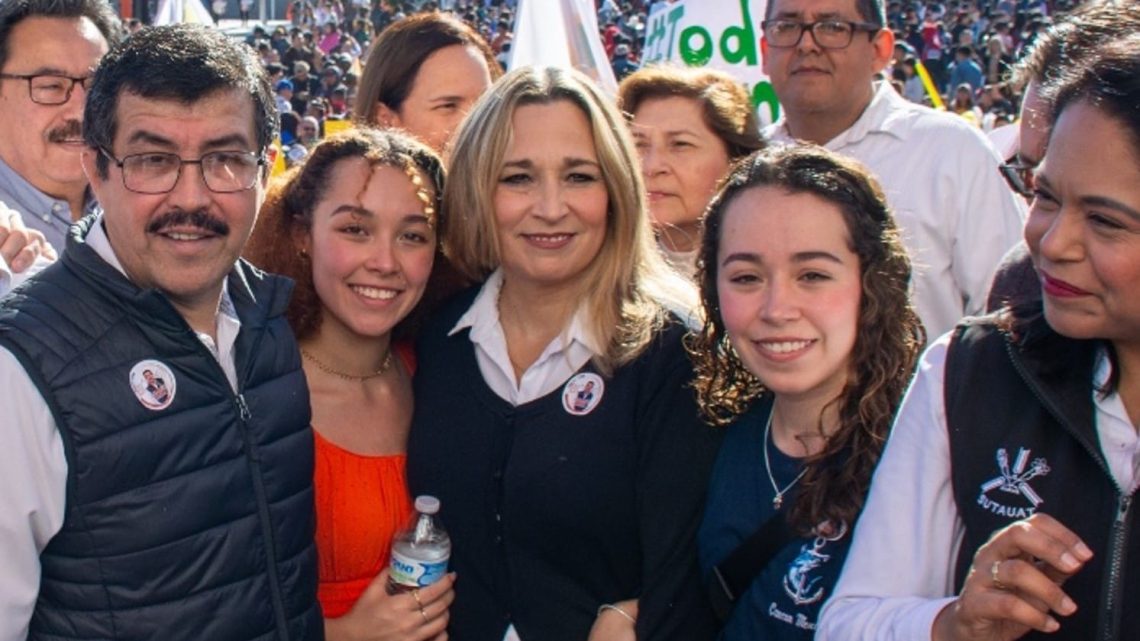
628, 288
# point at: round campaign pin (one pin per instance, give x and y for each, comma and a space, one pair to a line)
153, 384
582, 393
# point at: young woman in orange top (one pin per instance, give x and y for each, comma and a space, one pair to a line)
355, 227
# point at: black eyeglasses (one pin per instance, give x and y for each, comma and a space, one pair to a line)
50, 88
1019, 175
828, 34
155, 172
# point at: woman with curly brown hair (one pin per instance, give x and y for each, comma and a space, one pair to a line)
807, 347
356, 228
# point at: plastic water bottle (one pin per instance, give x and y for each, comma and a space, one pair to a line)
419, 553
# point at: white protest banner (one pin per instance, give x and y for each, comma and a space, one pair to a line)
722, 34
561, 33
178, 11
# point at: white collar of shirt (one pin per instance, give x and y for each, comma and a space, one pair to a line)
1119, 441
226, 322
879, 117
564, 356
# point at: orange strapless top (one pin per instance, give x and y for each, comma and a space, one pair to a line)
361, 502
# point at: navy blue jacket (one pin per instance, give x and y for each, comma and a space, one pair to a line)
194, 521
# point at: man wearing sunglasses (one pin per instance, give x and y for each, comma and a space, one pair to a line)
184, 513
939, 174
48, 49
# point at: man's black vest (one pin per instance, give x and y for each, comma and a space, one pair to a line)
1023, 439
194, 521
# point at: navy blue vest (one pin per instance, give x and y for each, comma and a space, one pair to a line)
1023, 439
193, 521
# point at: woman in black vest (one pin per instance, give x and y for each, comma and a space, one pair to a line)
1002, 507
808, 344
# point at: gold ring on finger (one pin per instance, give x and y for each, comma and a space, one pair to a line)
994, 576
416, 595
423, 614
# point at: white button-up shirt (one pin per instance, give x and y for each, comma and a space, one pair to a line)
561, 359
956, 214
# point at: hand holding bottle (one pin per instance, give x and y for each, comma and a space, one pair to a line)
417, 615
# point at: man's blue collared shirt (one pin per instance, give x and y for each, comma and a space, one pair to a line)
51, 216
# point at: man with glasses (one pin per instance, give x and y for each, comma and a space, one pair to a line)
48, 49
187, 514
1057, 51
939, 174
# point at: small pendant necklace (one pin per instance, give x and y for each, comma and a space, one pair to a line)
387, 363
778, 499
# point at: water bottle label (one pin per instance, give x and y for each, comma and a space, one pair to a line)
411, 572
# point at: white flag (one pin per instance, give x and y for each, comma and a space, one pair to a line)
561, 33
178, 11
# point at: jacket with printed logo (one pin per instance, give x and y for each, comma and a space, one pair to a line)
1023, 439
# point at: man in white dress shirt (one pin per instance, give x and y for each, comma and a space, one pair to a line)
939, 174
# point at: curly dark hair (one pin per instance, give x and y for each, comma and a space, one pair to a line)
289, 207
888, 340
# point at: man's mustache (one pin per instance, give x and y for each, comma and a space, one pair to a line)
70, 131
179, 218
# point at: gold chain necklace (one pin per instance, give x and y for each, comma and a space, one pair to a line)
384, 366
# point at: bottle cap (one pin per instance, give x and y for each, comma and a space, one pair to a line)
426, 504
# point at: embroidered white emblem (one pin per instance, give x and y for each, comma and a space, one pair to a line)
1014, 480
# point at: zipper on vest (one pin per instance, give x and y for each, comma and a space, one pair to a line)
243, 409
244, 416
1108, 621
1114, 585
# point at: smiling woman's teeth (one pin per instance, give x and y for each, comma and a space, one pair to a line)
374, 292
784, 347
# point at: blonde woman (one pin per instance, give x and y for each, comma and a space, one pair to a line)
552, 417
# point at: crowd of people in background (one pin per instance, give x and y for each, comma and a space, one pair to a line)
965, 47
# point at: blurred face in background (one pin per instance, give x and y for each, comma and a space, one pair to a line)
447, 84
682, 160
